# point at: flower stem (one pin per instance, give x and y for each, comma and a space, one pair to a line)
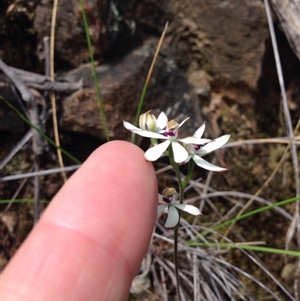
181, 196
176, 262
188, 176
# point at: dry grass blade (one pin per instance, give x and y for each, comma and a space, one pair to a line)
15, 150
42, 82
277, 140
24, 91
21, 185
37, 143
208, 274
291, 134
205, 274
266, 183
295, 225
147, 81
39, 173
52, 95
284, 98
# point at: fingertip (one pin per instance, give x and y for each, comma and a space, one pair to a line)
95, 231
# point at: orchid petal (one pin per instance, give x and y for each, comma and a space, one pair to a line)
153, 153
182, 122
180, 153
189, 158
173, 217
143, 133
130, 126
194, 140
188, 208
200, 131
206, 165
161, 121
213, 145
161, 208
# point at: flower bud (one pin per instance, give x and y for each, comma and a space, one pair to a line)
147, 122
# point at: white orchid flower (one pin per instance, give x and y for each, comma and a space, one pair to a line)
196, 151
170, 202
170, 135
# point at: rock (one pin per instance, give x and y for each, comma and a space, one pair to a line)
224, 38
222, 41
288, 15
121, 86
70, 40
230, 48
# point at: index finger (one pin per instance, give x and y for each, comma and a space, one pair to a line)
90, 241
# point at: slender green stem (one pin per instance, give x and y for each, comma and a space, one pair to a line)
176, 169
188, 176
95, 77
181, 197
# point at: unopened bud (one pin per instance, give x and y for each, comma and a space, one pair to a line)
147, 122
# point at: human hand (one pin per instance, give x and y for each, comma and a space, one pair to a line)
90, 241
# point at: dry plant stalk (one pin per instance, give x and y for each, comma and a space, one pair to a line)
52, 95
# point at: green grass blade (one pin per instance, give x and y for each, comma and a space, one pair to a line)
21, 201
247, 247
250, 213
95, 77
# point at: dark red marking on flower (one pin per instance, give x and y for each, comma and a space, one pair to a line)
197, 146
170, 133
167, 199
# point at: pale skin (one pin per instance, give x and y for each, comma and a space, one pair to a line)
90, 241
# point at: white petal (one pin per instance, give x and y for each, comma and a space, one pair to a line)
153, 153
206, 165
173, 217
213, 145
180, 153
143, 133
161, 208
188, 208
188, 159
130, 126
182, 122
200, 131
161, 121
194, 140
